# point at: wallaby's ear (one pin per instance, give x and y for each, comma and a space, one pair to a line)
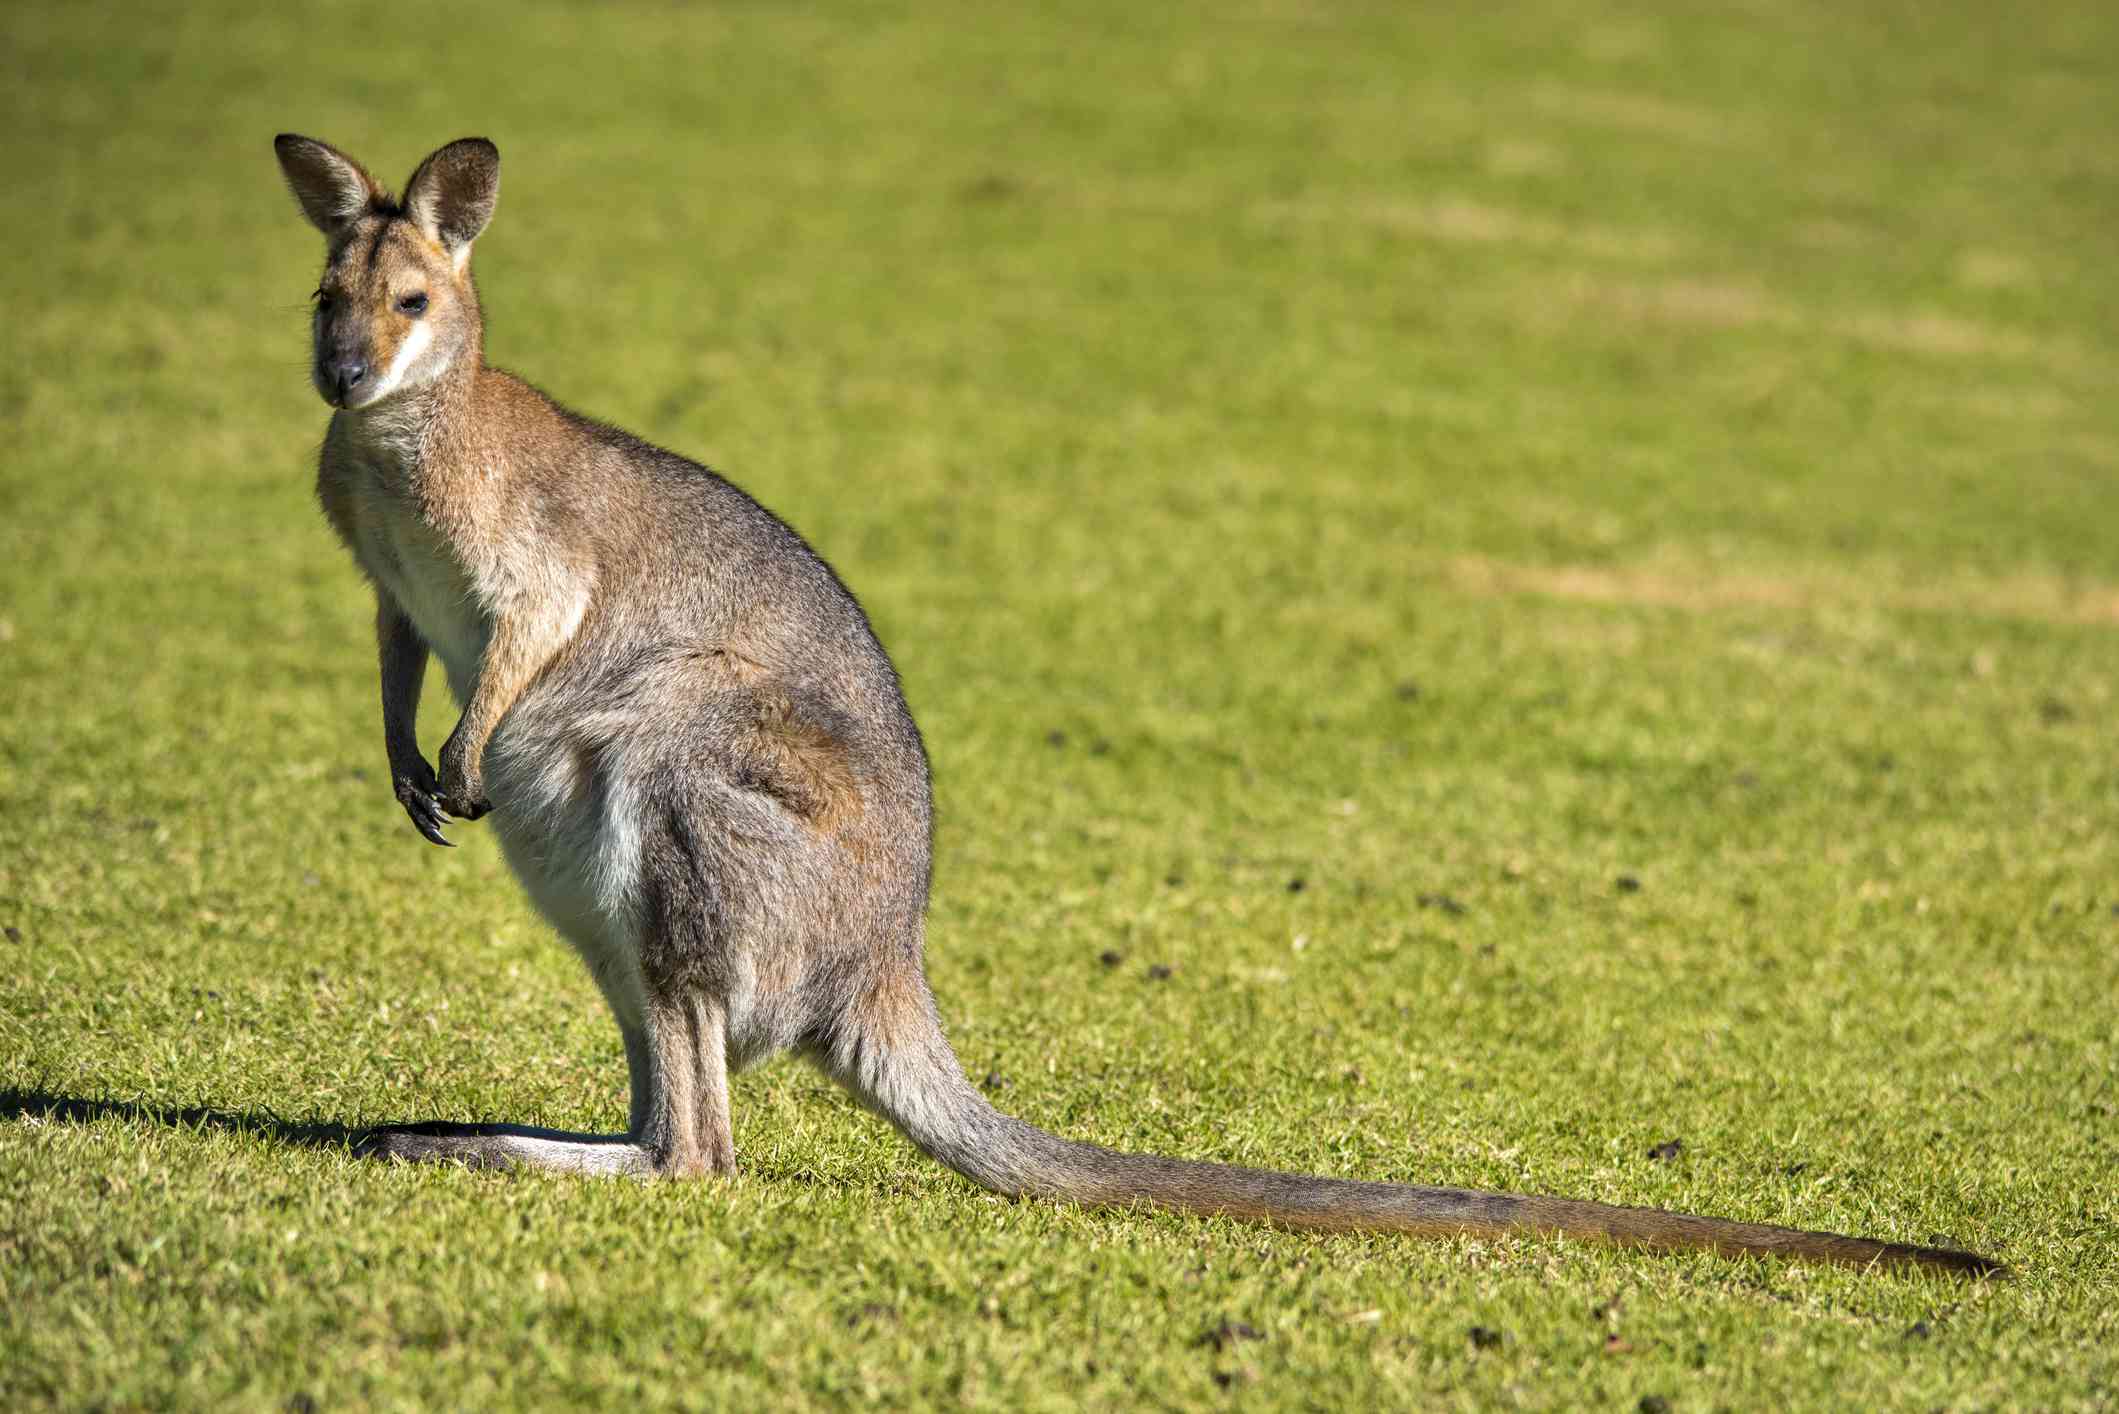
451, 196
331, 186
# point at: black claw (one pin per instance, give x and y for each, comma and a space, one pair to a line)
427, 816
418, 793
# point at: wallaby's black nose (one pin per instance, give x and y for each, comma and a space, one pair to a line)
346, 375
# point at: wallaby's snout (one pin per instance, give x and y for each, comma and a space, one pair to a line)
340, 376
343, 360
395, 307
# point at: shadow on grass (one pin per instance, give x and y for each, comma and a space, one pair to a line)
65, 1109
43, 1106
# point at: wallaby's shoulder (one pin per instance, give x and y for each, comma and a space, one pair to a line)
614, 466
521, 431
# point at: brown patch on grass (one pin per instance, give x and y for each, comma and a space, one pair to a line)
1717, 303
2030, 597
2039, 404
2091, 446
1705, 303
1462, 221
1636, 113
1827, 233
1607, 585
1994, 270
1620, 44
1518, 157
1931, 333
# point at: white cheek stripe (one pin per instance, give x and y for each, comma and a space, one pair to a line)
408, 353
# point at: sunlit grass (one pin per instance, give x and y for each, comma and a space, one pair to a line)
1542, 576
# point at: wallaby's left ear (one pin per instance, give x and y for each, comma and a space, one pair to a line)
452, 195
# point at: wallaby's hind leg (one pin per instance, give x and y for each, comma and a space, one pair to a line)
679, 1106
685, 1127
676, 1058
636, 1074
618, 978
677, 1119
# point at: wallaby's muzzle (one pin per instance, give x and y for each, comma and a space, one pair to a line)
341, 378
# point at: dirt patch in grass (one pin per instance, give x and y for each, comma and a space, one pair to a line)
2028, 597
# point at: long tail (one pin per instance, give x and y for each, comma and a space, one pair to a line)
906, 1070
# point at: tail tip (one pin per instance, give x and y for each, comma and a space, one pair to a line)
1953, 1260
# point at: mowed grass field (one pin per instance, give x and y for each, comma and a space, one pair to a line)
1490, 588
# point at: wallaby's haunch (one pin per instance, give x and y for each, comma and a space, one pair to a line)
697, 758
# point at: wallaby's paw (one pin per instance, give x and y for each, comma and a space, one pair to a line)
462, 786
462, 797
424, 808
467, 807
417, 792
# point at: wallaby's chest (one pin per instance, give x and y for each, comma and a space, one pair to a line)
436, 583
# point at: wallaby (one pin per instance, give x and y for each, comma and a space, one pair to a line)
699, 762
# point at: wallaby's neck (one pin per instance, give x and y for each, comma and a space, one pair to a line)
407, 436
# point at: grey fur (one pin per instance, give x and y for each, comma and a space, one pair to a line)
698, 759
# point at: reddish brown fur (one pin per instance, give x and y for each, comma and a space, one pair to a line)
805, 767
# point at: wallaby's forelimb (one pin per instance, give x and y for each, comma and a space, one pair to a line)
404, 667
526, 636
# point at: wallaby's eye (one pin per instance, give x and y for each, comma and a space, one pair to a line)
414, 305
323, 301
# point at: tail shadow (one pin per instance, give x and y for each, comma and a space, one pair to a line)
44, 1106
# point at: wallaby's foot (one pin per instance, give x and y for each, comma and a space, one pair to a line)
715, 1154
510, 1146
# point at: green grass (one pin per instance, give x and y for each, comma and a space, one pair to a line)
1470, 451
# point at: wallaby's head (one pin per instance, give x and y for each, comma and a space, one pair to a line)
395, 309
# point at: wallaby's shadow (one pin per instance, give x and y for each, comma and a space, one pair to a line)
365, 1142
66, 1109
